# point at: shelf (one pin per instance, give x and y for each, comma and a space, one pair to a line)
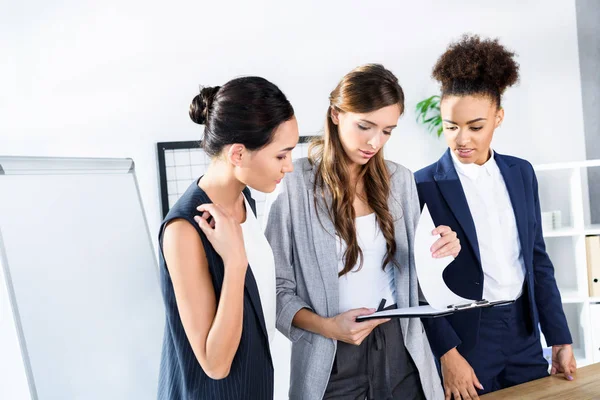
571, 296
583, 362
592, 230
579, 354
581, 359
567, 165
564, 232
589, 230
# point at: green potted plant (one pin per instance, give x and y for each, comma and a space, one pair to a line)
428, 114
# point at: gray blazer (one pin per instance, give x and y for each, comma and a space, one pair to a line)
306, 263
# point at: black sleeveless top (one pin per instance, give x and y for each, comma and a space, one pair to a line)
181, 376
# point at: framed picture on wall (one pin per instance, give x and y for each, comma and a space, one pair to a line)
179, 163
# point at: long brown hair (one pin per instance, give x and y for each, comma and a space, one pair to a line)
365, 89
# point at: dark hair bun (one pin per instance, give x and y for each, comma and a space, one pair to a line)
201, 104
479, 61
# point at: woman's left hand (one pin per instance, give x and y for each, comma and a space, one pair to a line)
447, 245
563, 361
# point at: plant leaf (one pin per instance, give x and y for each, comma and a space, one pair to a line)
428, 114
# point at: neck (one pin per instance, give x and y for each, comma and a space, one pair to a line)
356, 181
221, 185
485, 159
353, 171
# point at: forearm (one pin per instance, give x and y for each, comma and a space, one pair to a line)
309, 321
551, 315
449, 355
226, 331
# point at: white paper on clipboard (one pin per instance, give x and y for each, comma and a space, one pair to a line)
430, 270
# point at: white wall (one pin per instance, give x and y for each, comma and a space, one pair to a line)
112, 78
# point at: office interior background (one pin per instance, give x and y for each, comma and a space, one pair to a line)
114, 78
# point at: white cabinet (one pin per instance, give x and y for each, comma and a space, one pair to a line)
595, 331
564, 191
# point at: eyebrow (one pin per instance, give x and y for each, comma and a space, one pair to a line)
373, 123
288, 149
468, 122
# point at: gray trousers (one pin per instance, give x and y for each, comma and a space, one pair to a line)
380, 368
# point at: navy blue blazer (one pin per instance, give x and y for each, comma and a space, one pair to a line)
439, 187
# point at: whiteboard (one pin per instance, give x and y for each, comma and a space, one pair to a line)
81, 277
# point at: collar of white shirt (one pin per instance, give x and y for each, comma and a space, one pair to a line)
474, 171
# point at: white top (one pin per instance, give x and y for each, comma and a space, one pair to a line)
262, 264
367, 286
496, 227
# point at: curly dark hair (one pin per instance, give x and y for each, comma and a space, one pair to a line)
475, 66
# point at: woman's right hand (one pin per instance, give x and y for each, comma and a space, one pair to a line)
345, 328
460, 380
224, 233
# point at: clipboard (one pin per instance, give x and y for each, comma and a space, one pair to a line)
428, 311
431, 282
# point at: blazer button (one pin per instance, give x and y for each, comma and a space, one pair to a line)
477, 283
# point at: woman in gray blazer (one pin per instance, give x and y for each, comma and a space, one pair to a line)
341, 227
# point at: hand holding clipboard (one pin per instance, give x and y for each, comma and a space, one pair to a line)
442, 300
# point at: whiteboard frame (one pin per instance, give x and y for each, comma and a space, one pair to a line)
21, 165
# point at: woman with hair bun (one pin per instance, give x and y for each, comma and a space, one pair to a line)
491, 201
217, 269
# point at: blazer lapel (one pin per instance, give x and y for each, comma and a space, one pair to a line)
325, 242
515, 187
449, 184
401, 275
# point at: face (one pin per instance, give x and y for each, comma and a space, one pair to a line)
364, 135
263, 169
469, 123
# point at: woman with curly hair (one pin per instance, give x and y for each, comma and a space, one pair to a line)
491, 201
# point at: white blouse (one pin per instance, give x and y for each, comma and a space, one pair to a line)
496, 227
369, 285
262, 264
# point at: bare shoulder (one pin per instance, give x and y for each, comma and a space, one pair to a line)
181, 242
